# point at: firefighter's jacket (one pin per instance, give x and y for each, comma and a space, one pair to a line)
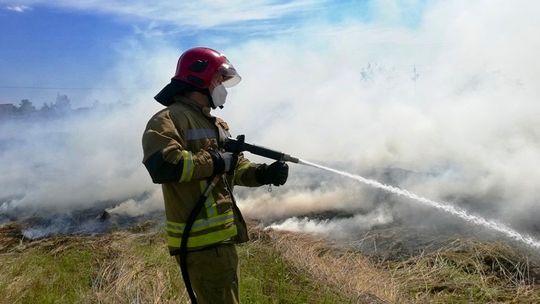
175, 144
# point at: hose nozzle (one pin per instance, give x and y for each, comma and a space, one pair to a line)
288, 158
239, 145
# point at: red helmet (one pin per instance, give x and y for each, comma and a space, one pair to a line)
195, 70
197, 66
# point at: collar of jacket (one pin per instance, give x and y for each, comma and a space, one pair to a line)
192, 103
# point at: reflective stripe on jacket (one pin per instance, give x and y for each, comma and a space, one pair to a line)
175, 145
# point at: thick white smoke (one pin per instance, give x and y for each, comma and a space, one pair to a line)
133, 208
340, 227
73, 163
91, 160
453, 100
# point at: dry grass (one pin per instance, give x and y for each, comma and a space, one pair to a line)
278, 267
462, 271
134, 267
121, 267
472, 271
127, 273
55, 270
349, 272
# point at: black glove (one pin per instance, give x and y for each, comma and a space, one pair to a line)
275, 174
223, 161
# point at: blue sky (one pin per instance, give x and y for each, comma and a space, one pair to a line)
51, 47
47, 47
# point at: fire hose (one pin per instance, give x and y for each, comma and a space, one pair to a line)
236, 146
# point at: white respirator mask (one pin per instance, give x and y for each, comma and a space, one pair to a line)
219, 96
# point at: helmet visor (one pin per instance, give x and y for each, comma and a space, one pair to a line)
230, 75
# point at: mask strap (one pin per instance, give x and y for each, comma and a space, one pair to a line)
210, 99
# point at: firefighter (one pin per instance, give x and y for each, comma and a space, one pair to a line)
183, 152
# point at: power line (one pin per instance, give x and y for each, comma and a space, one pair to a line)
66, 88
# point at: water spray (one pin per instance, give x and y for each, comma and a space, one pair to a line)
239, 145
444, 206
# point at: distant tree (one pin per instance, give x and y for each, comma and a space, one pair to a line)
62, 102
62, 105
26, 107
46, 109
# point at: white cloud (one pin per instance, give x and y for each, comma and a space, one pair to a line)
191, 14
18, 8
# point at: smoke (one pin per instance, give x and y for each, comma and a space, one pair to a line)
335, 228
69, 163
134, 208
452, 100
446, 108
85, 160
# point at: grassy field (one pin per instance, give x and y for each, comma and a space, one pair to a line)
276, 267
134, 267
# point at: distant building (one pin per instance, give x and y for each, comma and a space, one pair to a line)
7, 109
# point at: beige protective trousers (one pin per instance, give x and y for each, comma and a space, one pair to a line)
214, 274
